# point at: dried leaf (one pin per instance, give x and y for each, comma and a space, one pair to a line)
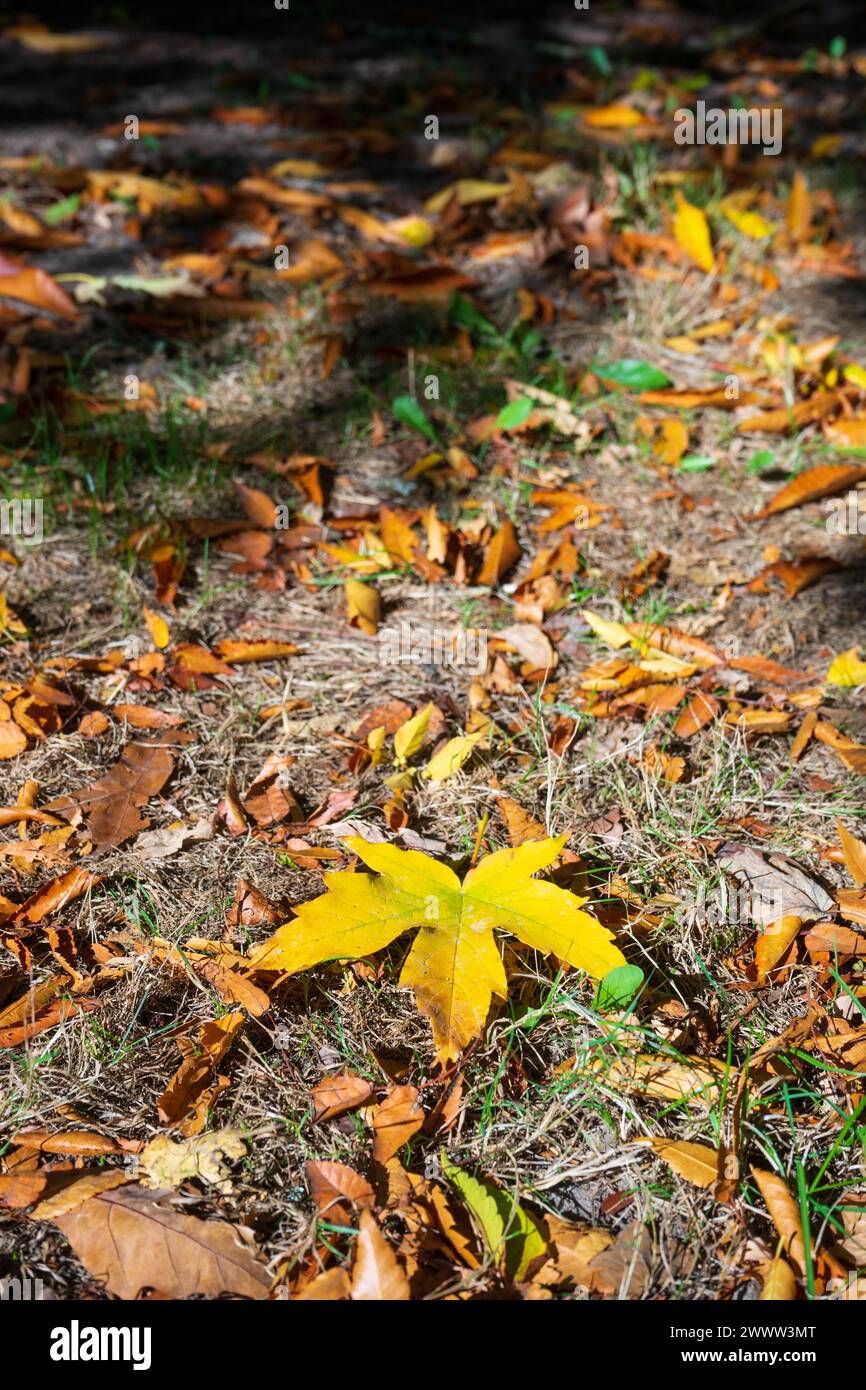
129, 1242
376, 1272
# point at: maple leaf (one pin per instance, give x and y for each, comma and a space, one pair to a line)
454, 965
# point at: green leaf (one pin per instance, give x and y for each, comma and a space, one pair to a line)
618, 988
638, 376
695, 463
761, 459
464, 313
600, 61
505, 1226
59, 212
514, 413
409, 412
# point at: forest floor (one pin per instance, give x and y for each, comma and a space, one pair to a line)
388, 373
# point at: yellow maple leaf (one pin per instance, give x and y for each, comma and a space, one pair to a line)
848, 669
454, 965
692, 233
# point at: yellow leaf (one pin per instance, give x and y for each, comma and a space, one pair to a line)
410, 736
854, 852
692, 233
452, 757
614, 634
415, 231
780, 1282
697, 1163
617, 117
751, 224
157, 627
466, 191
364, 605
848, 669
773, 942
856, 375
454, 965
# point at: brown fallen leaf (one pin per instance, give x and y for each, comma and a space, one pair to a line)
376, 1272
332, 1185
334, 1095
250, 908
38, 290
129, 1242
700, 710
329, 1285
55, 895
623, 1268
74, 1189
198, 1068
19, 1190
500, 554
776, 886
264, 650
113, 802
395, 1121
575, 1247
531, 643
852, 754
269, 799
803, 736
49, 1017
826, 480
836, 940
795, 576
854, 852
694, 1080
520, 824
785, 420
785, 1215
80, 1142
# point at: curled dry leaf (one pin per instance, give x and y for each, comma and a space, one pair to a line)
785, 1215
197, 1071
394, 1121
333, 1185
334, 1095
376, 1271
826, 480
